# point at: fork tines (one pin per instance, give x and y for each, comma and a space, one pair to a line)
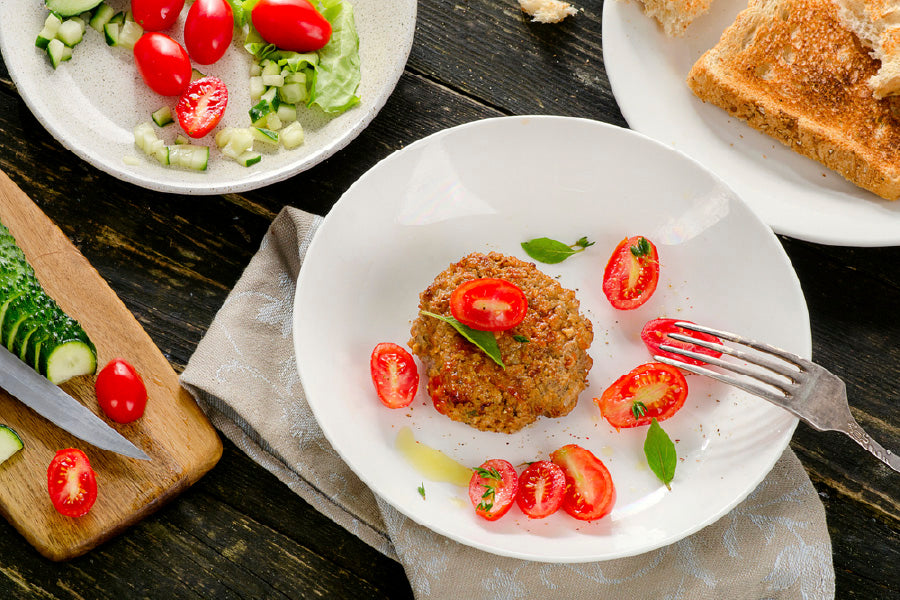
784, 371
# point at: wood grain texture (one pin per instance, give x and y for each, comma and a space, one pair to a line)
173, 259
173, 431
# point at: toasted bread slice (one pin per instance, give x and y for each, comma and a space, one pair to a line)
674, 16
877, 25
789, 69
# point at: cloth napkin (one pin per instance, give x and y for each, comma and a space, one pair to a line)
774, 544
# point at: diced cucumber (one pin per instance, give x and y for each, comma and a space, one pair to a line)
273, 80
180, 139
292, 93
111, 32
144, 136
130, 33
257, 89
119, 18
51, 26
101, 16
163, 116
259, 111
273, 122
255, 69
58, 52
71, 32
287, 113
269, 96
292, 136
70, 8
266, 136
188, 156
249, 158
10, 442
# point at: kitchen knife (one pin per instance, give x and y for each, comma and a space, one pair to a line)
51, 402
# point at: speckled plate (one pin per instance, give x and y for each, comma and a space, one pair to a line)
491, 185
92, 102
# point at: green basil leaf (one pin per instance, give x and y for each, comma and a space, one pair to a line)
660, 452
485, 340
547, 251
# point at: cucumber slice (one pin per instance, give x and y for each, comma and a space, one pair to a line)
71, 8
10, 442
163, 116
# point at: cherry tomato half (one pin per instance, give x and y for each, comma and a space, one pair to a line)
121, 392
71, 483
163, 63
652, 390
488, 304
394, 374
657, 332
156, 15
590, 493
632, 273
542, 486
291, 24
208, 29
493, 488
202, 106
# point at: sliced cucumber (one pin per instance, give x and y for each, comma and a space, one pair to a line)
163, 116
10, 442
71, 8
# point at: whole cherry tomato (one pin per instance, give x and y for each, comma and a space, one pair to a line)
156, 15
163, 63
657, 332
121, 392
590, 493
542, 486
291, 24
632, 273
488, 304
653, 390
493, 488
394, 374
202, 106
71, 483
208, 29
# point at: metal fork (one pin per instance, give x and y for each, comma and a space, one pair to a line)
797, 385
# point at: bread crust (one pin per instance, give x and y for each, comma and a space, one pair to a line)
789, 69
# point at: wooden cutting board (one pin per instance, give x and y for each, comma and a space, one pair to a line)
175, 433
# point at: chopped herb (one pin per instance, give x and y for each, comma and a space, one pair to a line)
521, 339
422, 490
660, 452
642, 248
550, 251
490, 489
638, 409
485, 340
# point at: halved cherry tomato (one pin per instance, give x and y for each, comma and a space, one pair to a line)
652, 390
632, 273
488, 304
492, 488
394, 374
291, 24
202, 106
121, 392
208, 29
542, 486
163, 63
590, 493
71, 483
156, 15
657, 332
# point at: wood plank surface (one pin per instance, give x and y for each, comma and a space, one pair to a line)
173, 431
173, 259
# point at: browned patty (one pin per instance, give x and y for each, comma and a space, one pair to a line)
543, 376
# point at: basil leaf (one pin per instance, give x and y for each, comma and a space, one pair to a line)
485, 340
551, 252
660, 452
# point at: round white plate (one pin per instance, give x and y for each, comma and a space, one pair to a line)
92, 102
796, 196
490, 185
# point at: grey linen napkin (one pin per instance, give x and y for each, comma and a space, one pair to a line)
774, 544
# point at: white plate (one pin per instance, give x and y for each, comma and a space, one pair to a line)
793, 194
92, 102
490, 185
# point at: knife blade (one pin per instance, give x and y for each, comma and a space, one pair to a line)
50, 401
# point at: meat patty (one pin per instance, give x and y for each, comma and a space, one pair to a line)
543, 376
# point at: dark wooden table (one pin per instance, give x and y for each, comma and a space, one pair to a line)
239, 533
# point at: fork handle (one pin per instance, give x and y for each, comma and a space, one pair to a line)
862, 438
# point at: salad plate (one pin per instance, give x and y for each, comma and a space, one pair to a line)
794, 195
482, 187
92, 102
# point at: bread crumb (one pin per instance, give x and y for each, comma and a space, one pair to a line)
547, 11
